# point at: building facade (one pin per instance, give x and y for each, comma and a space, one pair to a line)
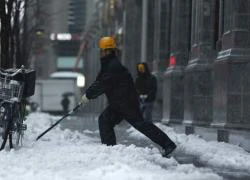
57, 20
208, 86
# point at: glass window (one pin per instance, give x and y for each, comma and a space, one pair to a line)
68, 62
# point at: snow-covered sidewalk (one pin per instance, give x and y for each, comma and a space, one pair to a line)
212, 153
67, 155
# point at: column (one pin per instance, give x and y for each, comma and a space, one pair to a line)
232, 68
173, 86
198, 73
144, 30
157, 35
132, 36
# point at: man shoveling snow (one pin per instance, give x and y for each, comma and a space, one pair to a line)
115, 81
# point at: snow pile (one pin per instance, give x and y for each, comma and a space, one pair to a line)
213, 153
67, 155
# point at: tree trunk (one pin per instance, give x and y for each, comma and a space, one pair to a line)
16, 30
14, 45
4, 38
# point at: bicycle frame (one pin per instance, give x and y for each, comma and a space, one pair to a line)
12, 107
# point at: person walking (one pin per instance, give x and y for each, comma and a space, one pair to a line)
146, 86
116, 82
65, 103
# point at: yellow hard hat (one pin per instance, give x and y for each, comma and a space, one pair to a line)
107, 43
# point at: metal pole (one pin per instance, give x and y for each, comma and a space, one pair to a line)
144, 30
124, 35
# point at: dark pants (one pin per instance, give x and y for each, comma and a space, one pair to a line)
110, 117
147, 108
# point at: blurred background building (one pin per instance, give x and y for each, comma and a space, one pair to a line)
198, 49
61, 23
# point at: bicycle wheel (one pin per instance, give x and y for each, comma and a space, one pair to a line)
5, 124
17, 131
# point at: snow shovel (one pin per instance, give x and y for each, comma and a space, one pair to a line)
57, 122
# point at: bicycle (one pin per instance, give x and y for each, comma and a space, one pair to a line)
15, 86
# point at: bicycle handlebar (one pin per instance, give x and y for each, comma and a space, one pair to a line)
6, 73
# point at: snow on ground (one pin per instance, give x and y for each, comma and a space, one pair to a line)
213, 153
67, 155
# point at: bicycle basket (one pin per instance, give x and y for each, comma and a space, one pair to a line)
10, 90
29, 80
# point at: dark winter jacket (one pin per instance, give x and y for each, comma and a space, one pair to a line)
115, 81
146, 84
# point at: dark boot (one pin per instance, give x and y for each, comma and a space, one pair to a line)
169, 149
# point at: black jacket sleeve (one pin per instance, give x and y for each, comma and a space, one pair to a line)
102, 83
